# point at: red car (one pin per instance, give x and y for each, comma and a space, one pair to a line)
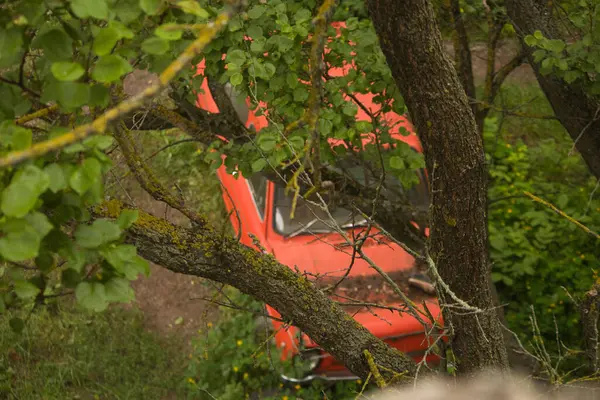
308, 244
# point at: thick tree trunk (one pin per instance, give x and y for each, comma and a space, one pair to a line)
577, 111
208, 254
436, 100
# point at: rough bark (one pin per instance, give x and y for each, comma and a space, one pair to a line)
577, 111
453, 149
209, 254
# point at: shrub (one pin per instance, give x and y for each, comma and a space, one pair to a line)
229, 361
536, 253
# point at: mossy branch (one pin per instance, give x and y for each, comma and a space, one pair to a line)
205, 253
148, 180
562, 214
99, 125
37, 114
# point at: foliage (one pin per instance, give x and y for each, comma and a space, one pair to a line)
575, 61
534, 251
68, 353
232, 361
76, 54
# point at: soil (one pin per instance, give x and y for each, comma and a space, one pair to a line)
171, 303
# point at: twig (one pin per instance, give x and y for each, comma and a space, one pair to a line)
100, 124
562, 214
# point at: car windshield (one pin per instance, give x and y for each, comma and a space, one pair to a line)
310, 218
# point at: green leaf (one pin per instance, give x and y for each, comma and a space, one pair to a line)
39, 222
396, 162
364, 126
530, 40
350, 109
538, 35
127, 10
256, 11
118, 290
168, 32
123, 31
26, 290
86, 176
91, 295
90, 8
67, 71
125, 260
100, 232
236, 56
56, 44
267, 142
150, 7
105, 40
555, 45
259, 165
110, 68
236, 79
99, 96
16, 324
301, 93
57, 178
68, 94
21, 138
21, 241
192, 7
11, 46
155, 46
127, 218
100, 142
255, 31
23, 192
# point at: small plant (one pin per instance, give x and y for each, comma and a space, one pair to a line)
230, 361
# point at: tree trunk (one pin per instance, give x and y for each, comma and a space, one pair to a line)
453, 149
208, 254
577, 111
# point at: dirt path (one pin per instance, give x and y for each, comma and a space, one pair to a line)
170, 302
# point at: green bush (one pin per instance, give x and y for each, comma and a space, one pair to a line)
536, 253
229, 361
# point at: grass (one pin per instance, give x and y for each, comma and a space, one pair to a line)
66, 353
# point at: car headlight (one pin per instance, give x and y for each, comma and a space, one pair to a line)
303, 364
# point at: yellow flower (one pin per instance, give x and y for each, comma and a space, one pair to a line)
284, 398
510, 210
359, 381
192, 381
239, 343
582, 256
297, 387
235, 369
209, 325
245, 375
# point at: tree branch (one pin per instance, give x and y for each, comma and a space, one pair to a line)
205, 253
99, 125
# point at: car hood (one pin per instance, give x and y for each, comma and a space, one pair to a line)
331, 256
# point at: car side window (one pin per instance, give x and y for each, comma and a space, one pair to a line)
258, 188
